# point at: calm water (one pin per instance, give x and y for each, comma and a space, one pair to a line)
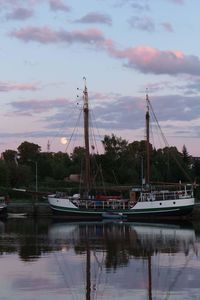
45, 260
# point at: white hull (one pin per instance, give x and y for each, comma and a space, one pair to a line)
164, 208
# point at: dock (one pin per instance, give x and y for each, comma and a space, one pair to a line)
31, 209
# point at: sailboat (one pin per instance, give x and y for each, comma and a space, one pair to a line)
146, 202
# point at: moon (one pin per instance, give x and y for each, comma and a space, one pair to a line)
63, 140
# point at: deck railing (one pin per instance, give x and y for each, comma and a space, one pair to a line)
162, 196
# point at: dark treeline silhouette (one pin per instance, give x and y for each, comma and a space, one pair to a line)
122, 163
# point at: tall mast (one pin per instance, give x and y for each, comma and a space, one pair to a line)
86, 138
147, 142
150, 277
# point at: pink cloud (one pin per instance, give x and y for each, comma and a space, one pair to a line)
12, 86
58, 5
143, 58
152, 60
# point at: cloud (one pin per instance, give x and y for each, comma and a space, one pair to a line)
58, 5
45, 35
37, 106
128, 113
20, 13
158, 86
140, 5
95, 17
118, 113
13, 86
142, 58
142, 23
191, 87
180, 2
152, 60
19, 3
167, 26
187, 85
28, 134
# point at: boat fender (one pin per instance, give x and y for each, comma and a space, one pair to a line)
180, 193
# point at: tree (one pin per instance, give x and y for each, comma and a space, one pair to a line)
61, 165
4, 174
9, 155
114, 159
78, 160
186, 156
28, 151
114, 145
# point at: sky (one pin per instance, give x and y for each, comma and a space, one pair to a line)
122, 47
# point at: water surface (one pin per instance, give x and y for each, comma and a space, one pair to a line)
42, 259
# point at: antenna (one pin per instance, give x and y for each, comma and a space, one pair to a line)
48, 146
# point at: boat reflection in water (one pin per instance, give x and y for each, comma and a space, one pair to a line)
127, 260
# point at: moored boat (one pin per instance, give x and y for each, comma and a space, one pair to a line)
145, 202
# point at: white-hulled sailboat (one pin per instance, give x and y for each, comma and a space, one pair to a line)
145, 202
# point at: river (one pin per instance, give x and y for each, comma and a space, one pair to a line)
48, 260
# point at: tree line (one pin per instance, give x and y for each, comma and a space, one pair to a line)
122, 163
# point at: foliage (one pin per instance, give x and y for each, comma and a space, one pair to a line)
186, 156
28, 151
114, 146
10, 155
122, 163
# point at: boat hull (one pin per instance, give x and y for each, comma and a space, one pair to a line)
155, 210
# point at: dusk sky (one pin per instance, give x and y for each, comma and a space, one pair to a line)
122, 47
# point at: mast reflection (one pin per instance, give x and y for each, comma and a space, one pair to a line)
121, 243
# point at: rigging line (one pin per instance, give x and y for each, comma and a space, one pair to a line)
100, 280
94, 141
151, 133
157, 269
100, 268
93, 115
102, 178
75, 128
157, 133
75, 139
115, 177
167, 144
80, 182
63, 274
177, 276
64, 124
93, 138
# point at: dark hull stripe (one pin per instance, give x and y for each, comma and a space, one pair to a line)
129, 214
